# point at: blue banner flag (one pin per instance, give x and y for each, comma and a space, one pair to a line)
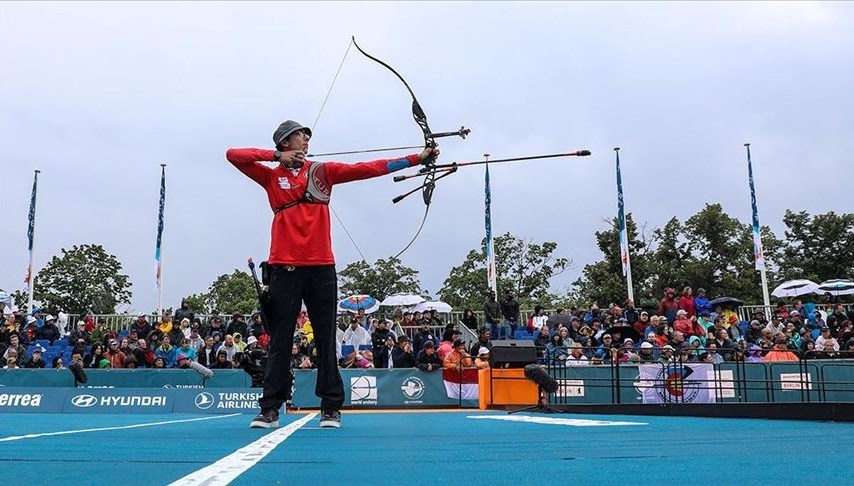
160, 220
490, 248
758, 254
621, 222
31, 229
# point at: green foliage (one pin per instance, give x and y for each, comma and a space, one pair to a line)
229, 293
199, 303
819, 247
85, 278
383, 278
521, 265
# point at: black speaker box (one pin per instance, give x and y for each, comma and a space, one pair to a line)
513, 354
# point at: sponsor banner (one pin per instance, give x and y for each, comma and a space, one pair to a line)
118, 400
217, 400
401, 388
674, 383
26, 400
795, 381
570, 388
725, 384
139, 378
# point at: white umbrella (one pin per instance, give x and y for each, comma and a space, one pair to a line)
402, 299
794, 288
838, 286
436, 305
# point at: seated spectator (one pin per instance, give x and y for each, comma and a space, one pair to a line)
238, 341
36, 360
428, 359
683, 323
382, 355
483, 340
222, 362
115, 356
188, 350
423, 335
828, 351
458, 358
11, 359
576, 356
645, 354
826, 337
781, 351
96, 354
15, 345
447, 344
131, 363
402, 356
49, 331
668, 353
58, 363
228, 346
196, 341
104, 364
713, 355
481, 362
556, 352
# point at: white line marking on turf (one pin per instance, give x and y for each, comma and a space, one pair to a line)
226, 470
120, 427
554, 421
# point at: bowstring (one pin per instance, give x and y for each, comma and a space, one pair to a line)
313, 125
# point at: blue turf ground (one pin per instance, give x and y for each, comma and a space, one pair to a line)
434, 447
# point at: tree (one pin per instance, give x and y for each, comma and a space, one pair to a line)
603, 281
233, 292
85, 278
383, 278
521, 265
819, 247
199, 303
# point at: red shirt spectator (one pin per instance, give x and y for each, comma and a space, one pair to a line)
686, 302
683, 324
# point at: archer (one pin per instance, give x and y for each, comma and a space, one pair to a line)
301, 263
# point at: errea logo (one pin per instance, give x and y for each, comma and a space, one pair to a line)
20, 399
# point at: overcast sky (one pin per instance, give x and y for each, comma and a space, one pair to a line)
97, 95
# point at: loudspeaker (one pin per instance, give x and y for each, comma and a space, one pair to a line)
513, 354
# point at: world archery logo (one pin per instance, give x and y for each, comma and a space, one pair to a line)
363, 390
204, 401
673, 385
413, 388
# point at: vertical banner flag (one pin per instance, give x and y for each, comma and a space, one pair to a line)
160, 223
31, 229
621, 221
490, 248
758, 254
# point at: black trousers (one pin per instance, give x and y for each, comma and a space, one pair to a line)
289, 287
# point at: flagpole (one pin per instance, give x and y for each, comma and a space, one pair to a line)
625, 259
490, 245
31, 279
758, 253
158, 256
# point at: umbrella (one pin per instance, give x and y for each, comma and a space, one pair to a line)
355, 302
625, 332
5, 298
794, 288
838, 286
436, 305
402, 299
724, 301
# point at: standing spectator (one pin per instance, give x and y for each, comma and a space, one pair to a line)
427, 359
686, 302
701, 303
236, 325
491, 314
668, 305
115, 356
356, 335
141, 326
510, 311
184, 312
378, 339
423, 336
469, 319
402, 356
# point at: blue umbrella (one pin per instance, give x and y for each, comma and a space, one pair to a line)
837, 286
355, 302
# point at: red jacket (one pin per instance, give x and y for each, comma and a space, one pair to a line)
301, 234
685, 326
687, 304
